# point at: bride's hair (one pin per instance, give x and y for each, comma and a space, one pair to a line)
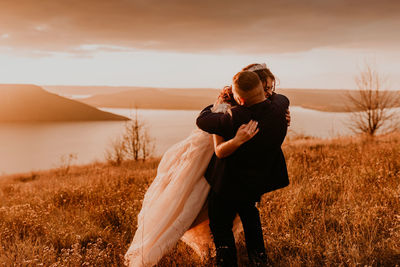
263, 74
227, 96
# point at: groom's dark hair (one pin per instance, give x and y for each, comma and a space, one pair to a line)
246, 80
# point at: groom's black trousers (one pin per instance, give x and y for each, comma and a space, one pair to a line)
222, 213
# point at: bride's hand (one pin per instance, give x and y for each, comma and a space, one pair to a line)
288, 118
218, 101
246, 132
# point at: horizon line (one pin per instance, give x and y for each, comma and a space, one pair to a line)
157, 87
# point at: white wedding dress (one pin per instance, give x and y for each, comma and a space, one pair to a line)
174, 206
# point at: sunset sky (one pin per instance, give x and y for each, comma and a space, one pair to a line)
184, 43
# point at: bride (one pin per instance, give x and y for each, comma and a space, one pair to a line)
175, 205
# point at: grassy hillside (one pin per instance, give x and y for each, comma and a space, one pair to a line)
24, 102
342, 208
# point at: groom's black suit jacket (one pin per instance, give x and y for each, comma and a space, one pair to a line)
256, 167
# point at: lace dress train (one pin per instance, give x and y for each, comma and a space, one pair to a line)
174, 206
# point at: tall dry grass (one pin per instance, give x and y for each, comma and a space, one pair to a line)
341, 209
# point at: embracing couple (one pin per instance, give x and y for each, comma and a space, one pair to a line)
207, 185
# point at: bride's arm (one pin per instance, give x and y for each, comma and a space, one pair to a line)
245, 133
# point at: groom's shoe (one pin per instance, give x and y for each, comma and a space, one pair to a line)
259, 260
226, 257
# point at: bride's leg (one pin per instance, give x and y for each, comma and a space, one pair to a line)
202, 216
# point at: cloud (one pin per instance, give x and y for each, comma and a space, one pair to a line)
198, 26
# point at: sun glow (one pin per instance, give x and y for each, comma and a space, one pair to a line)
113, 65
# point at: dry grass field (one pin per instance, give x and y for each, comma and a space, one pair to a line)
342, 208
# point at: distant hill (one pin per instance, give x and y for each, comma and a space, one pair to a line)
25, 102
151, 98
196, 99
322, 99
96, 89
332, 100
318, 99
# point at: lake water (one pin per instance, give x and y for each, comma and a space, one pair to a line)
32, 146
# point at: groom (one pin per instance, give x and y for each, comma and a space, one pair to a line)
258, 166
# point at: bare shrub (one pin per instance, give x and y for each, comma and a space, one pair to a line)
147, 147
371, 104
132, 137
115, 155
135, 143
